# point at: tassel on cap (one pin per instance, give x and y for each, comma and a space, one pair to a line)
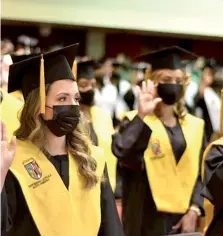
74, 69
221, 113
42, 87
147, 74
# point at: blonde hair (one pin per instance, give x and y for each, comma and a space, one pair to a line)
32, 128
179, 107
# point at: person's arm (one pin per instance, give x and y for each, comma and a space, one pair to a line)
110, 222
130, 142
214, 175
197, 199
8, 204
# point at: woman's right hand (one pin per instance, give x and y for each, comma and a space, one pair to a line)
7, 152
146, 99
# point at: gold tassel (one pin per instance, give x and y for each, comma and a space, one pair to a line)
74, 69
221, 114
147, 74
42, 87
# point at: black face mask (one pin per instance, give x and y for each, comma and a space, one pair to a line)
65, 119
87, 98
170, 93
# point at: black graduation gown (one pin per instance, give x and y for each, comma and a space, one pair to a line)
213, 189
140, 216
16, 219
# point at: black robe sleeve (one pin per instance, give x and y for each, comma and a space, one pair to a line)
14, 210
197, 198
130, 142
8, 204
213, 180
110, 222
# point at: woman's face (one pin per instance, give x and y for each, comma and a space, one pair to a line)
208, 76
85, 84
171, 77
61, 92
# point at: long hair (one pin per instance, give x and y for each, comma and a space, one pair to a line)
32, 128
179, 108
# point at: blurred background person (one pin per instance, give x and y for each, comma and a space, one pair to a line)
138, 73
7, 47
207, 101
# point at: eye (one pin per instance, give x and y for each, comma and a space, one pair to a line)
179, 81
62, 99
77, 99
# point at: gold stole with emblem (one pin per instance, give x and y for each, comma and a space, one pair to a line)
103, 127
209, 208
54, 209
172, 184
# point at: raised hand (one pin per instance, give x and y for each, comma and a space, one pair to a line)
7, 152
146, 99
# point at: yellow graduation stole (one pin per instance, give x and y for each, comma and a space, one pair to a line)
209, 208
104, 130
172, 184
56, 210
10, 108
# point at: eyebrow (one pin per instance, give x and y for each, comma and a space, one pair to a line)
77, 95
67, 94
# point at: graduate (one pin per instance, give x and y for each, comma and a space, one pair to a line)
57, 183
159, 147
101, 127
213, 181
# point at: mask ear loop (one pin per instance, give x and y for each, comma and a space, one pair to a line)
49, 107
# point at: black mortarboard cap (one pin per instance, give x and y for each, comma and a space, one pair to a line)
167, 58
44, 69
85, 69
18, 58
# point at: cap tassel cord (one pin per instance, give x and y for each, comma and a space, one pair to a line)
42, 87
74, 69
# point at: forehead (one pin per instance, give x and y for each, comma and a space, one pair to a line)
61, 86
172, 73
86, 81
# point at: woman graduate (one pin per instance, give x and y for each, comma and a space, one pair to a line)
159, 147
213, 181
57, 183
101, 127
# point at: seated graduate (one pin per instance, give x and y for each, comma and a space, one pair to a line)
101, 126
160, 148
57, 183
213, 181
